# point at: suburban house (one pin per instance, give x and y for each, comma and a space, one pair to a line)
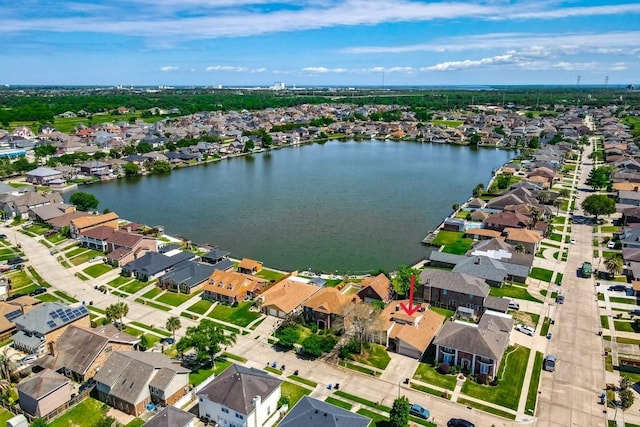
451, 290
94, 167
44, 324
171, 416
241, 397
10, 310
376, 288
84, 223
477, 348
310, 412
42, 176
529, 239
231, 287
286, 297
130, 380
44, 392
249, 266
80, 352
404, 333
48, 212
155, 264
324, 307
20, 205
507, 219
218, 258
123, 246
187, 277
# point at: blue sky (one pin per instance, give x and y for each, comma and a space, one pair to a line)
318, 42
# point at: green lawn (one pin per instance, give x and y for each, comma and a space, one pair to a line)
240, 315
175, 298
135, 286
56, 238
6, 416
198, 375
622, 326
446, 313
39, 228
294, 392
19, 279
609, 229
486, 408
152, 293
532, 395
201, 306
622, 300
512, 291
507, 392
270, 275
119, 281
447, 237
75, 250
426, 373
47, 298
541, 274
373, 355
339, 403
302, 380
84, 257
65, 297
449, 123
97, 270
87, 413
544, 330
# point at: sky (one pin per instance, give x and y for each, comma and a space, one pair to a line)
319, 42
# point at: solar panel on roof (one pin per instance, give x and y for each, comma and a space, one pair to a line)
51, 324
59, 311
13, 315
53, 315
83, 309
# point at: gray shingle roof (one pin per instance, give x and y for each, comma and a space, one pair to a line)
50, 316
456, 282
482, 267
170, 416
190, 273
236, 387
472, 339
153, 263
43, 172
310, 412
43, 383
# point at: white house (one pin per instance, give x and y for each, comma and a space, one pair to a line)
241, 397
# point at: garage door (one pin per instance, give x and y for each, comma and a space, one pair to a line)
273, 312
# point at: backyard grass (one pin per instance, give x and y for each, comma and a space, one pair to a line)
135, 286
97, 270
446, 313
373, 355
294, 392
426, 373
339, 403
175, 298
512, 291
622, 300
486, 408
449, 123
201, 306
86, 413
240, 315
541, 274
199, 375
511, 378
270, 275
532, 395
453, 242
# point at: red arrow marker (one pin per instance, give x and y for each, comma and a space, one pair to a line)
412, 308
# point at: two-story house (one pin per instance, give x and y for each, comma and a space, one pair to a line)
324, 307
449, 290
230, 286
241, 397
376, 288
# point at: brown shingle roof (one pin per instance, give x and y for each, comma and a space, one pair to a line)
124, 239
231, 283
288, 294
327, 300
101, 232
91, 220
380, 283
250, 264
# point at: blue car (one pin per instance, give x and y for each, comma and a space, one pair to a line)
418, 411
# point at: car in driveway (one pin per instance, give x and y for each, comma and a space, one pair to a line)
618, 288
418, 411
15, 260
525, 329
37, 291
459, 422
611, 245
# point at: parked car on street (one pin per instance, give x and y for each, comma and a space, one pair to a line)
15, 260
459, 422
560, 299
418, 411
549, 363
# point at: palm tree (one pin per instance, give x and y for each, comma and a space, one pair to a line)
614, 265
520, 248
173, 324
536, 215
117, 311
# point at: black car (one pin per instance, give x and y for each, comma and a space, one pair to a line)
617, 288
3, 236
37, 291
14, 296
168, 340
459, 422
15, 260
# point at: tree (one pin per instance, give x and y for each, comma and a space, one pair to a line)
455, 207
599, 204
626, 398
144, 342
287, 336
520, 248
315, 345
478, 190
39, 422
536, 216
402, 281
399, 414
359, 319
84, 201
206, 338
600, 177
614, 265
172, 325
161, 167
564, 192
544, 196
131, 169
117, 311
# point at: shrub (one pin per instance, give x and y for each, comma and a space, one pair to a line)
315, 345
483, 379
284, 400
350, 348
444, 368
287, 336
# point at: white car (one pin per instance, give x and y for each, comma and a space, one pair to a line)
611, 245
573, 241
525, 329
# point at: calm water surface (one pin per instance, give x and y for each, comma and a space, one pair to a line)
346, 206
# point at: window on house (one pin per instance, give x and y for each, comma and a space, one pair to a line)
444, 292
447, 358
484, 369
225, 410
470, 296
240, 416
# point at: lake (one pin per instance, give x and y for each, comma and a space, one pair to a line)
346, 206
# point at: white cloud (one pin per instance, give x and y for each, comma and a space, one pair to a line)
169, 68
225, 68
470, 63
322, 70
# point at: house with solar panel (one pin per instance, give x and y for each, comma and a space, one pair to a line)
41, 327
10, 311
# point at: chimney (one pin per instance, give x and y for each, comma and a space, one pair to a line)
397, 307
256, 401
477, 261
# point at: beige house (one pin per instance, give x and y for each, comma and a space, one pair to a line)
249, 266
230, 286
84, 223
286, 297
43, 393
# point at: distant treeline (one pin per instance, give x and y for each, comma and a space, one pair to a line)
42, 105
